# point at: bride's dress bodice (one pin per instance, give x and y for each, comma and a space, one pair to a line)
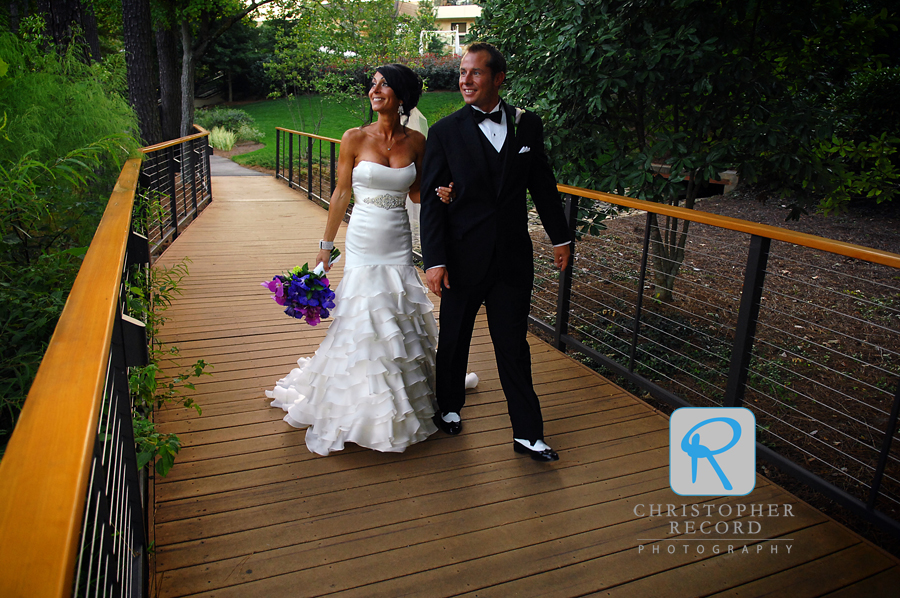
378, 232
382, 186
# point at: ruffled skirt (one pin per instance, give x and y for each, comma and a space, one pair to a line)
371, 382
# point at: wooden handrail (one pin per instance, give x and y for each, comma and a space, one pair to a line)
860, 252
308, 135
154, 148
44, 472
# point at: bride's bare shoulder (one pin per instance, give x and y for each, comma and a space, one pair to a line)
416, 139
354, 135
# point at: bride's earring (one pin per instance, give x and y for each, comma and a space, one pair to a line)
400, 109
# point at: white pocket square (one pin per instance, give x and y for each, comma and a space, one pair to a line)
524, 149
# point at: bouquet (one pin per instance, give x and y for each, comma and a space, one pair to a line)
304, 293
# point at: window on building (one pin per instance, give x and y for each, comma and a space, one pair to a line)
461, 27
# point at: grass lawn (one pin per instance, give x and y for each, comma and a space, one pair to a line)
313, 114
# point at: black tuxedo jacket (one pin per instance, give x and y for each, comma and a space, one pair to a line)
486, 222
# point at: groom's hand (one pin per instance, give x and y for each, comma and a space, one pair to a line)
437, 278
561, 256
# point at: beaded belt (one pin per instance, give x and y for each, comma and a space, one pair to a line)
386, 201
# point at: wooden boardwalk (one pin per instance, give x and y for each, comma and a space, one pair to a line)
247, 511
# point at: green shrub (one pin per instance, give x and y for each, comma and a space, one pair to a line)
221, 139
226, 118
55, 104
248, 133
64, 130
868, 105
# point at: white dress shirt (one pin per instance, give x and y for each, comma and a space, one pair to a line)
495, 132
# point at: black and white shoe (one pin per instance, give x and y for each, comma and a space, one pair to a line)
448, 423
538, 450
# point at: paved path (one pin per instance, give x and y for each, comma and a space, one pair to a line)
219, 166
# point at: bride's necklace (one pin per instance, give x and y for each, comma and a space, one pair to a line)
394, 140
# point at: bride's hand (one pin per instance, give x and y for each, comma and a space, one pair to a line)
323, 257
446, 194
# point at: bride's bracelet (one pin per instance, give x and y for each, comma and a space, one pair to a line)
326, 245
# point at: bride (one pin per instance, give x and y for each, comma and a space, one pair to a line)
371, 382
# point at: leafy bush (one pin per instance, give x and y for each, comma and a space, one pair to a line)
438, 72
55, 104
147, 299
64, 131
221, 139
870, 104
248, 133
353, 73
231, 119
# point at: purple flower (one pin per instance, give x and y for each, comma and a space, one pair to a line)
304, 294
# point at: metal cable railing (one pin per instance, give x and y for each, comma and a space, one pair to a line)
72, 500
176, 186
740, 333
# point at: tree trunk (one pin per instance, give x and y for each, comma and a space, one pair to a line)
64, 18
17, 10
169, 87
667, 246
138, 59
91, 33
187, 79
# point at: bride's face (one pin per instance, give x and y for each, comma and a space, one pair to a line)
381, 96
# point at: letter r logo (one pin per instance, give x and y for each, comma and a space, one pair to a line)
712, 451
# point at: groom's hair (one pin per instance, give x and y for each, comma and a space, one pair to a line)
406, 84
496, 62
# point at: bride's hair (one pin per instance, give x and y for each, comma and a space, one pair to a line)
406, 84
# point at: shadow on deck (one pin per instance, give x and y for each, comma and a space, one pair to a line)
248, 511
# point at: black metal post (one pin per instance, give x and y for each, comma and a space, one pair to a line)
333, 168
193, 170
170, 162
885, 451
639, 304
277, 152
309, 184
564, 294
745, 332
290, 140
207, 175
320, 169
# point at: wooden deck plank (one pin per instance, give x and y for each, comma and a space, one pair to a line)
248, 511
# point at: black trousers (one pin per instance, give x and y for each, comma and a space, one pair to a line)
507, 308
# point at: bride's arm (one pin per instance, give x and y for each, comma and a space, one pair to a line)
340, 198
419, 143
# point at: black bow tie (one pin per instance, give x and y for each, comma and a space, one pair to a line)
480, 116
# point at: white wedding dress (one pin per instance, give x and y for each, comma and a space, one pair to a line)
371, 382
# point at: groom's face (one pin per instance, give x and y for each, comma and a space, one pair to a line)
479, 86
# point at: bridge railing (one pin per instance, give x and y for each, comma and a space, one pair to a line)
789, 332
175, 186
72, 500
827, 410
308, 162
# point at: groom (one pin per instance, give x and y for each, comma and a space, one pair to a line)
477, 248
